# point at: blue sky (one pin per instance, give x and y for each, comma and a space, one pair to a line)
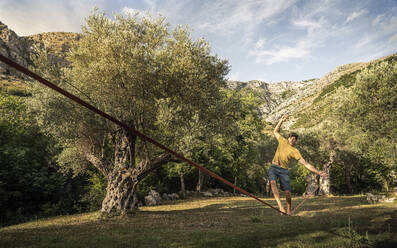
267, 40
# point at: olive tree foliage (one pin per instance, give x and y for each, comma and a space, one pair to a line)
159, 82
364, 127
232, 154
241, 150
194, 138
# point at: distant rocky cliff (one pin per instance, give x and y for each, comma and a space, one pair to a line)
20, 49
292, 97
14, 47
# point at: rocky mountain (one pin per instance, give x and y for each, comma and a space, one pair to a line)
299, 99
14, 47
56, 43
20, 49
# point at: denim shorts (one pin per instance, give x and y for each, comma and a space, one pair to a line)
276, 172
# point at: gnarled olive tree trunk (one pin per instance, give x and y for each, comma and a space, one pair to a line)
122, 183
320, 185
325, 182
123, 174
120, 192
312, 185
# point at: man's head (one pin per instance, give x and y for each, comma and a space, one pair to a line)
292, 138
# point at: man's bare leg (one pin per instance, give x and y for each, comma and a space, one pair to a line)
276, 195
288, 199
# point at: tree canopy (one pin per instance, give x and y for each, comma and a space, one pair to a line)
160, 82
361, 123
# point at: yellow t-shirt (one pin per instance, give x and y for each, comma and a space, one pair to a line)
284, 153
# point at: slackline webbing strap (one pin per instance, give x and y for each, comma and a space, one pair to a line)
298, 206
128, 128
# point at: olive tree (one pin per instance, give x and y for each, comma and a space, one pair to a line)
371, 119
362, 122
158, 81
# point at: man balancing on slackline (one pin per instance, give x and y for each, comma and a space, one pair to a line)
279, 168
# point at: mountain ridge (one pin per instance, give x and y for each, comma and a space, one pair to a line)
293, 97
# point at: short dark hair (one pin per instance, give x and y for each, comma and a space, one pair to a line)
293, 135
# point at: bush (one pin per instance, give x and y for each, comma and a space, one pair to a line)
30, 184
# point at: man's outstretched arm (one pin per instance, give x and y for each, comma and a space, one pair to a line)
276, 130
312, 168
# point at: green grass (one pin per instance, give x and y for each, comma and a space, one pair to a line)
347, 221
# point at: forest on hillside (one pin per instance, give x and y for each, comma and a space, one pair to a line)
58, 158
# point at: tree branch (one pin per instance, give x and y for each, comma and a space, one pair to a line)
147, 167
97, 163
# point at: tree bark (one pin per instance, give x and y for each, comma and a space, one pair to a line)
268, 191
325, 182
122, 172
320, 186
312, 185
120, 192
121, 188
183, 190
200, 181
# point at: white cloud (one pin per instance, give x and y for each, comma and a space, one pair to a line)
314, 19
259, 44
130, 11
156, 8
230, 16
317, 33
386, 22
355, 15
393, 38
31, 17
310, 25
173, 10
378, 19
365, 41
390, 24
283, 53
383, 32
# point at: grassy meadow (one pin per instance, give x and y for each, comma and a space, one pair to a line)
338, 221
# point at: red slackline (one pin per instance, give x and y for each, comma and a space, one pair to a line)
128, 128
298, 206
